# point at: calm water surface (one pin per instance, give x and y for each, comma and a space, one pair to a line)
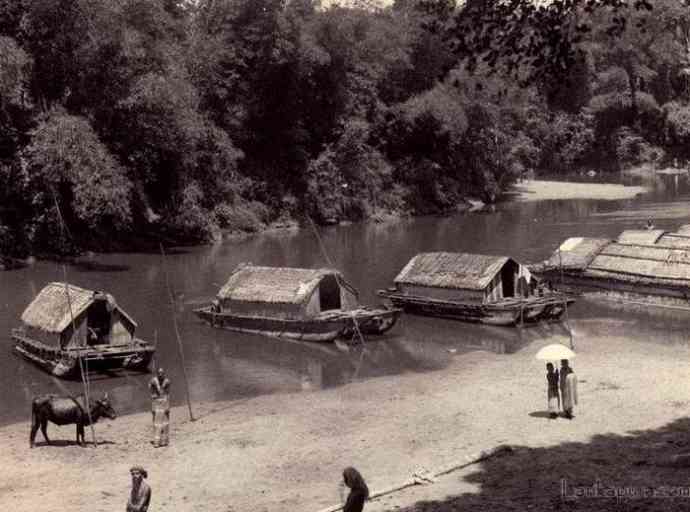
229, 365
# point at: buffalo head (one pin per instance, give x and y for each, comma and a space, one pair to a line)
106, 407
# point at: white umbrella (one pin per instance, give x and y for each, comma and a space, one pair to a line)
554, 352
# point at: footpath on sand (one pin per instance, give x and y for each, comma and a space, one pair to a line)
287, 452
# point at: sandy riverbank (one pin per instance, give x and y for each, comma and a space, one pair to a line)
541, 190
286, 452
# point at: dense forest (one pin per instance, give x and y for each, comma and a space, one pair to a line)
131, 120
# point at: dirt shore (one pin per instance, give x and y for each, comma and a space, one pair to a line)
286, 452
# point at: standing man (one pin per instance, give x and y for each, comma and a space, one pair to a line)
568, 385
160, 408
140, 496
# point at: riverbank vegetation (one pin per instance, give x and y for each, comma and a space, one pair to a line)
129, 121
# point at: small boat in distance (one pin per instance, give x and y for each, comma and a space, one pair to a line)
66, 327
296, 303
475, 288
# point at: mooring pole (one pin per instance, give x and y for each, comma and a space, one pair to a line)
565, 301
177, 335
82, 370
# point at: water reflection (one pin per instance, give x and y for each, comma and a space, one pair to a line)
228, 365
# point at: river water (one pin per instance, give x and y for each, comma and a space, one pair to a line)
222, 365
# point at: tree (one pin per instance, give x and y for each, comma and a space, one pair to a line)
69, 167
15, 102
532, 41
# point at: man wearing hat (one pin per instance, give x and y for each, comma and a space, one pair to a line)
140, 496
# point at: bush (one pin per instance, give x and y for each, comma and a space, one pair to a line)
632, 149
190, 221
245, 217
349, 178
565, 142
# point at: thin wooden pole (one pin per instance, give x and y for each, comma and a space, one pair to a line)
318, 239
565, 301
82, 370
330, 262
177, 335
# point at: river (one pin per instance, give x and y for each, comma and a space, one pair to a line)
223, 365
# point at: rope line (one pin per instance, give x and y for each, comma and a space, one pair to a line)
341, 281
423, 476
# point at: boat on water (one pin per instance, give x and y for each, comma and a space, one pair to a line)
494, 290
295, 303
67, 328
646, 266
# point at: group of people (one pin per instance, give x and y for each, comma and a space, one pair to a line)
561, 394
561, 389
140, 495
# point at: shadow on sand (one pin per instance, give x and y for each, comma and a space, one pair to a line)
61, 443
632, 472
540, 414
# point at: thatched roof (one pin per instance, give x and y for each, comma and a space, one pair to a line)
674, 240
576, 253
650, 263
640, 236
451, 270
284, 285
58, 303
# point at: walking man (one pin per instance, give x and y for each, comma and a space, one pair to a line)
160, 408
140, 496
568, 385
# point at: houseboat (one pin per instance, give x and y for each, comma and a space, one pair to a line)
296, 303
652, 267
493, 290
66, 329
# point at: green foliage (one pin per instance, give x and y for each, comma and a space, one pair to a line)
15, 100
69, 165
186, 118
566, 141
350, 179
242, 217
633, 149
678, 124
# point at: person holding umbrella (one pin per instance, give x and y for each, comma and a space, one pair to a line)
556, 379
568, 384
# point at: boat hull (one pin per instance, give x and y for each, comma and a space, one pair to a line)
510, 313
67, 364
321, 328
651, 294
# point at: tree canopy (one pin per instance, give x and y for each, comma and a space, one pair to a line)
177, 118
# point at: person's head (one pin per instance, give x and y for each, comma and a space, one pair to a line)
161, 373
549, 367
564, 363
138, 473
353, 479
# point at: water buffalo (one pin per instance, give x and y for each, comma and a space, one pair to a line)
65, 411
